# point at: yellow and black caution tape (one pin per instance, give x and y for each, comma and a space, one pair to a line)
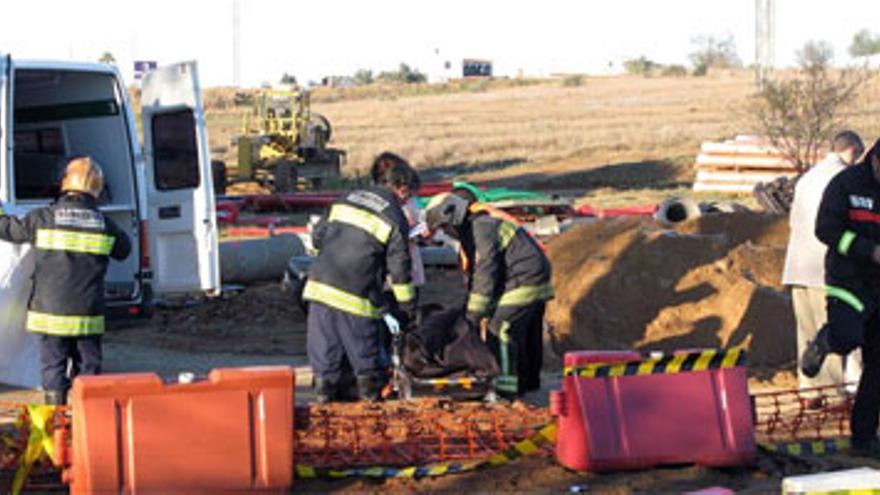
529, 446
668, 363
40, 442
808, 447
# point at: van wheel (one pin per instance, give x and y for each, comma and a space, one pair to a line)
218, 174
285, 177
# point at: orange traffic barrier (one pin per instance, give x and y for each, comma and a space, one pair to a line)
134, 434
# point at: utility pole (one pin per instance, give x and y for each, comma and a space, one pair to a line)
236, 43
765, 39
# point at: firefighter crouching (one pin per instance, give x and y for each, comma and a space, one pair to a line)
508, 282
363, 239
73, 242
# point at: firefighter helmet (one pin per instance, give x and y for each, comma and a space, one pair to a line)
83, 175
446, 209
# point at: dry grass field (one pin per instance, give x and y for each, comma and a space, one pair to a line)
612, 139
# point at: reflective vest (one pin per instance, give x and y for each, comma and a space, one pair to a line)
498, 245
364, 236
73, 243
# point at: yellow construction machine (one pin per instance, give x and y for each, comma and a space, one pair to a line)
282, 143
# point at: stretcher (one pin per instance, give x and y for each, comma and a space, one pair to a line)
417, 371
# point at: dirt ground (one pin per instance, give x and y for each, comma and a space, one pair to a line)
711, 282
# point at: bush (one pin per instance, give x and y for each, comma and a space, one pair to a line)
674, 71
573, 80
801, 113
639, 66
403, 74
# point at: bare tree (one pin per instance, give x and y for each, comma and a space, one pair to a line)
713, 53
801, 112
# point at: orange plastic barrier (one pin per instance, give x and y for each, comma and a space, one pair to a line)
134, 434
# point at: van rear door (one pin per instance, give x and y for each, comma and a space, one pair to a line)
180, 200
5, 126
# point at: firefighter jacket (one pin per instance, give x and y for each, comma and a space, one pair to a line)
73, 242
505, 265
364, 238
849, 224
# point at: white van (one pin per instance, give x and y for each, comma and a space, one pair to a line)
161, 195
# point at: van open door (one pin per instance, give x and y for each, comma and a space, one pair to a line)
5, 127
182, 226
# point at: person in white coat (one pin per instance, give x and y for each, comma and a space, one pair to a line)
804, 269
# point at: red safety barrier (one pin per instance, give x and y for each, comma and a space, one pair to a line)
232, 432
618, 411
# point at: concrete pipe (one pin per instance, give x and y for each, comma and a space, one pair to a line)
258, 260
677, 209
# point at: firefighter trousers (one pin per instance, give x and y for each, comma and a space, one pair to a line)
334, 335
63, 358
855, 323
516, 338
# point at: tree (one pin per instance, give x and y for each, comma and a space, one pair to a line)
713, 53
815, 55
800, 113
363, 77
107, 58
288, 79
864, 44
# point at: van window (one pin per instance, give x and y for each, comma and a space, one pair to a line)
176, 151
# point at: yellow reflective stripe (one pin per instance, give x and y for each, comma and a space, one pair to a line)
478, 303
526, 294
404, 292
339, 299
846, 240
71, 240
845, 296
372, 224
64, 325
506, 233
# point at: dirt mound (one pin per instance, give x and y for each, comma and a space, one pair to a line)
712, 282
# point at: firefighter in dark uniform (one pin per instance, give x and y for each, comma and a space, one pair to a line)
508, 282
73, 243
363, 240
849, 224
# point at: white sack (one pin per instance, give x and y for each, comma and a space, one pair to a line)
19, 349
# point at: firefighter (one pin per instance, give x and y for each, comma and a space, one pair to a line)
508, 282
364, 238
848, 223
73, 243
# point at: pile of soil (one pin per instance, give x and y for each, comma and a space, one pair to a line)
633, 283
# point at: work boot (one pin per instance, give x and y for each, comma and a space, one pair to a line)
815, 353
55, 397
325, 391
866, 448
369, 388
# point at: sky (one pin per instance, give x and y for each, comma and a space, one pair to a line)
312, 39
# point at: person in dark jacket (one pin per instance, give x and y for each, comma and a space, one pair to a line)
508, 282
849, 224
73, 244
364, 238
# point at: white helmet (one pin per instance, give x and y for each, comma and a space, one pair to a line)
445, 209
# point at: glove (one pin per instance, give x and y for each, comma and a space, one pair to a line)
392, 323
